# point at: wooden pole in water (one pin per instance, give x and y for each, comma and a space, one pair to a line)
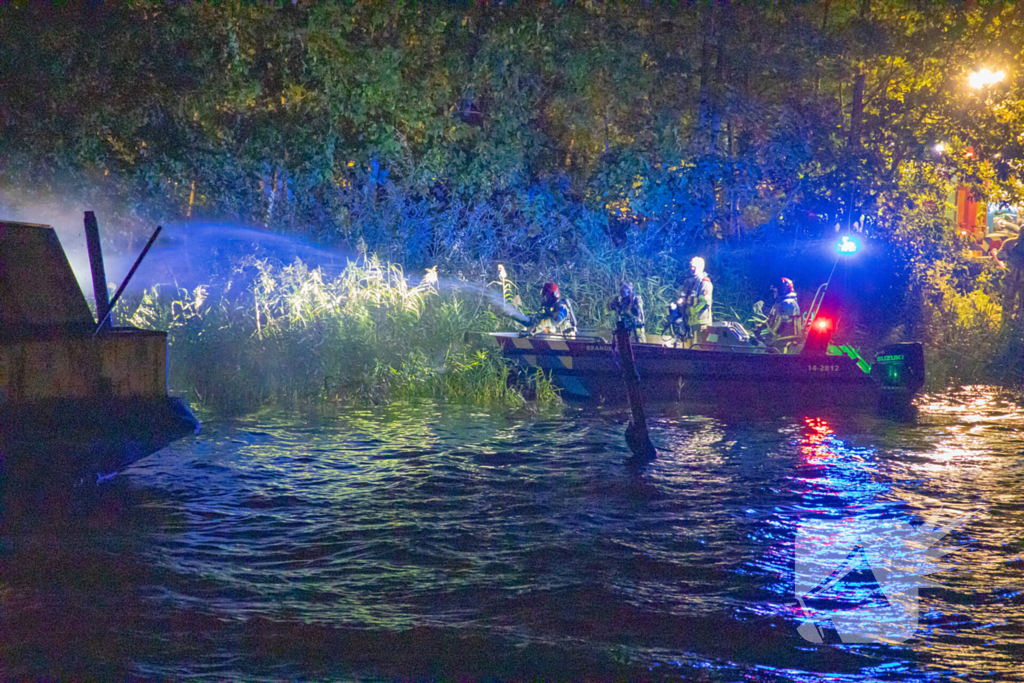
636, 433
99, 278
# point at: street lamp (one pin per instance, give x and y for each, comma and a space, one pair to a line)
985, 77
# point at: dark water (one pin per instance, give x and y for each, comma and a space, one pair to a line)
434, 542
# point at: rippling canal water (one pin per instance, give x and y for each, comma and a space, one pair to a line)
437, 542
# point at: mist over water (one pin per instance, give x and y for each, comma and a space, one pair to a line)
65, 214
186, 254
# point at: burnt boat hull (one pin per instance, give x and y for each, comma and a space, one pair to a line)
722, 381
77, 405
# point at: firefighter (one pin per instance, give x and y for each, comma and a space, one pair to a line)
630, 309
784, 320
691, 312
758, 321
555, 316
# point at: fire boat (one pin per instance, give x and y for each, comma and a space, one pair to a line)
79, 398
723, 370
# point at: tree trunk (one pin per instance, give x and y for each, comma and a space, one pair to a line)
704, 134
734, 230
718, 93
856, 108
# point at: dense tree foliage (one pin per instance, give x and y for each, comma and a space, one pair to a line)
696, 121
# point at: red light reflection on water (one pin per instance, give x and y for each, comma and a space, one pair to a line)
817, 442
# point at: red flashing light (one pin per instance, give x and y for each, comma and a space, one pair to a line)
822, 324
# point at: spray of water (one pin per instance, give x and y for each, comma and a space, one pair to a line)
189, 254
194, 254
492, 297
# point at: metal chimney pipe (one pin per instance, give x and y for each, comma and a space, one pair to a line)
99, 278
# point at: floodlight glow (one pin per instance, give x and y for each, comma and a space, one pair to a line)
940, 147
847, 246
980, 79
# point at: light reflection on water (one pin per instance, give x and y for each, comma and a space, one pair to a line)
438, 542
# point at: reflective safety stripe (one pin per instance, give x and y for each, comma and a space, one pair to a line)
558, 345
566, 361
531, 359
521, 343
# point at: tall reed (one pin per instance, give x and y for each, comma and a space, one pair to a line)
270, 332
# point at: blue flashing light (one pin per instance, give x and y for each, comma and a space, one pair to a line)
847, 246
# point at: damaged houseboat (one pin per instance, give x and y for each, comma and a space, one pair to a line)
79, 398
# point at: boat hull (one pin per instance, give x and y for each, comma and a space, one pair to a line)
716, 381
81, 440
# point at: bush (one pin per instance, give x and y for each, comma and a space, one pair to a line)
962, 325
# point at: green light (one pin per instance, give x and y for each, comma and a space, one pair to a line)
852, 353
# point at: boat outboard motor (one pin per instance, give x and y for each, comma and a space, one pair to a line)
900, 367
819, 334
899, 371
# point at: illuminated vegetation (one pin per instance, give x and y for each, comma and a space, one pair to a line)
272, 332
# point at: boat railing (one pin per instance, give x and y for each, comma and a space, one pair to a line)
812, 310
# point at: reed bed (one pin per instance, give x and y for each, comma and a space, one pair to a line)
270, 333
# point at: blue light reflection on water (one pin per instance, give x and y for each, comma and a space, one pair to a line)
434, 541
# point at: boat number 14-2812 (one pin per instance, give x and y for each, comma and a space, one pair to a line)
823, 368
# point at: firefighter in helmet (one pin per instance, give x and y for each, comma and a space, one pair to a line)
555, 315
784, 319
